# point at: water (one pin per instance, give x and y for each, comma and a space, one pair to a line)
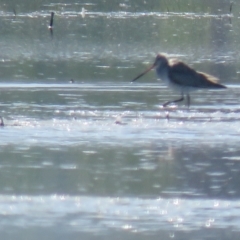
86, 154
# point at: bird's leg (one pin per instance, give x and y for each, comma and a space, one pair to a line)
1, 122
188, 100
174, 101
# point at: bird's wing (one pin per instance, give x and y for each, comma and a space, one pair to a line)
182, 74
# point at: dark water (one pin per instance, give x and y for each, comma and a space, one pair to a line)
86, 154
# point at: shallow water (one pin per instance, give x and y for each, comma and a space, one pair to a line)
87, 154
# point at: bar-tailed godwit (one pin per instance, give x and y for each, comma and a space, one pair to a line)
181, 77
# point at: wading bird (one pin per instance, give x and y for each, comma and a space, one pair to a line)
181, 77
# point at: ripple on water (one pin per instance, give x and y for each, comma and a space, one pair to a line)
81, 127
132, 214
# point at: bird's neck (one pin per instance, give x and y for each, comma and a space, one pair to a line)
162, 73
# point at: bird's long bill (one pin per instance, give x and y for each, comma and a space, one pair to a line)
140, 75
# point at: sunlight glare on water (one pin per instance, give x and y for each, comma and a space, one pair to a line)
130, 214
87, 154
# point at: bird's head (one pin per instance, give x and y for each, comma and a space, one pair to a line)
160, 61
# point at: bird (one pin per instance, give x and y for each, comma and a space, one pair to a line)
181, 77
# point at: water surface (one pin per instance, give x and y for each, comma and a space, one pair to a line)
85, 153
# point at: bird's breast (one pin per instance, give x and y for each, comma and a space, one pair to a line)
164, 76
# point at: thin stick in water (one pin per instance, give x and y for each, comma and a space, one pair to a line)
14, 12
230, 9
51, 20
